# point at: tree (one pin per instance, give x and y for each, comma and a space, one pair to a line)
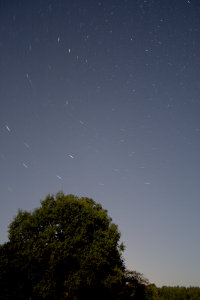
151, 292
134, 285
66, 249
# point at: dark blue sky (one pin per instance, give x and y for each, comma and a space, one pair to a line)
101, 99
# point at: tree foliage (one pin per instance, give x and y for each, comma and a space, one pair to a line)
66, 249
178, 293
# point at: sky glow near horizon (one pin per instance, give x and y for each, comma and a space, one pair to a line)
102, 99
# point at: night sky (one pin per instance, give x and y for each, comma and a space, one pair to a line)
102, 99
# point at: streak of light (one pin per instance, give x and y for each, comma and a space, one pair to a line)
8, 128
26, 145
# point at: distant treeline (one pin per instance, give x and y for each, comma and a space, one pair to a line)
172, 293
192, 293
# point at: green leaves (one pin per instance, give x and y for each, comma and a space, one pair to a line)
67, 248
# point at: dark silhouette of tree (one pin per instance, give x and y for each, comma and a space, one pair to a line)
66, 249
134, 285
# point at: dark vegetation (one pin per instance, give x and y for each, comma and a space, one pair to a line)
178, 293
69, 249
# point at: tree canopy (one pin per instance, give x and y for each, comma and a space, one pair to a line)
66, 249
69, 248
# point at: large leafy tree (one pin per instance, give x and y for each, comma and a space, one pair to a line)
66, 249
